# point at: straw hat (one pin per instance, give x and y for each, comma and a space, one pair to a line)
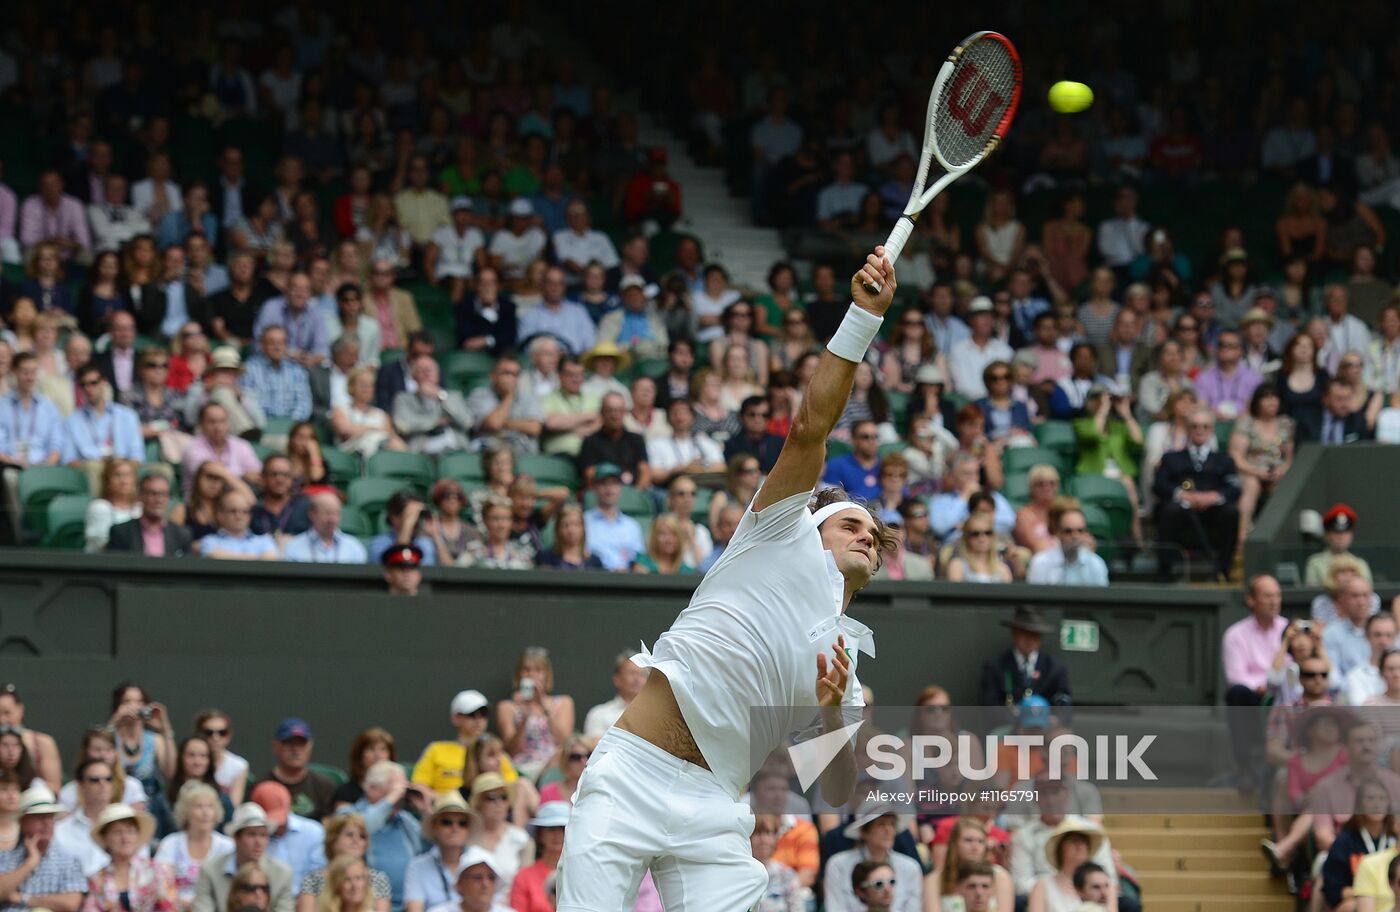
1069, 825
452, 803
145, 823
606, 350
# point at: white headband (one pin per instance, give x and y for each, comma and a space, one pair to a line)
831, 510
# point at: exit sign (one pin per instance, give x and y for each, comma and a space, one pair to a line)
1079, 636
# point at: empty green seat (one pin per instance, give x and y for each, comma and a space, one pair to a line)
458, 367
372, 494
38, 485
461, 466
353, 521
1020, 460
1058, 436
342, 467
411, 467
67, 522
1109, 496
548, 470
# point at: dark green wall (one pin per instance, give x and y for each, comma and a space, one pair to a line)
1363, 475
264, 641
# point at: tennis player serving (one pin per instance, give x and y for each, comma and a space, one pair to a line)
767, 627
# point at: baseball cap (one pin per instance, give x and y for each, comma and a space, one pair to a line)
473, 856
402, 556
1341, 518
292, 727
1035, 712
274, 799
979, 304
461, 202
521, 208
606, 470
632, 281
468, 702
247, 815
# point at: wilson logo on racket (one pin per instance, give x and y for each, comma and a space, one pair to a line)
978, 88
962, 99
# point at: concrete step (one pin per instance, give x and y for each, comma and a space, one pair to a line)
1129, 839
1159, 885
1183, 821
1157, 860
1283, 903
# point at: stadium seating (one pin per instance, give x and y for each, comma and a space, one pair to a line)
38, 485
461, 466
1109, 496
371, 495
548, 470
634, 503
414, 468
67, 522
1019, 460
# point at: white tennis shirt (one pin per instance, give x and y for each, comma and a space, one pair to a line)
751, 635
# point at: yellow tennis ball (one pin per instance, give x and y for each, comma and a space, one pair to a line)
1070, 97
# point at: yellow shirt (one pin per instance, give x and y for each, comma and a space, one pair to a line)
440, 767
421, 213
1370, 879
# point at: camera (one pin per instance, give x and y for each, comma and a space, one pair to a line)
527, 688
1305, 626
145, 713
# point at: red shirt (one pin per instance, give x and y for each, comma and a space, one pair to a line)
527, 890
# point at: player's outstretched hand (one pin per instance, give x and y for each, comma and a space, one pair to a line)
877, 271
832, 676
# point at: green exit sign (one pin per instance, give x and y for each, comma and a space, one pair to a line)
1079, 636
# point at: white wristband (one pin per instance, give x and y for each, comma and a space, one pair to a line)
855, 334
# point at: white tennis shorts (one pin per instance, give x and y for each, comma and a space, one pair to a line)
638, 808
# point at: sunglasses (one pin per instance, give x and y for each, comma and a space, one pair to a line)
1073, 530
458, 822
87, 384
214, 732
756, 414
496, 796
877, 884
867, 437
575, 757
1312, 674
919, 515
979, 533
254, 888
157, 365
997, 377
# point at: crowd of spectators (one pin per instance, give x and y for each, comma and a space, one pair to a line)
157, 817
326, 240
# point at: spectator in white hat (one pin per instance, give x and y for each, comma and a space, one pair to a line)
35, 873
453, 253
441, 764
970, 357
130, 882
874, 831
520, 244
478, 884
635, 327
249, 829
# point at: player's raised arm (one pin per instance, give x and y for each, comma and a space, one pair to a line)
800, 464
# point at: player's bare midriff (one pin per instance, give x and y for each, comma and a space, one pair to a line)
654, 716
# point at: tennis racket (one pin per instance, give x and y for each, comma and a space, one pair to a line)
970, 110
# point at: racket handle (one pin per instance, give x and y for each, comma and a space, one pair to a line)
894, 245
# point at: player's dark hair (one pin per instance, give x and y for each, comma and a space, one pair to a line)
885, 539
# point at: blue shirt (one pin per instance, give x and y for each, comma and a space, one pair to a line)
851, 475
306, 331
617, 542
177, 311
947, 511
385, 540
300, 846
30, 431
636, 327
283, 391
947, 334
1347, 645
394, 839
308, 548
551, 211
116, 432
247, 543
176, 227
570, 324
428, 882
215, 279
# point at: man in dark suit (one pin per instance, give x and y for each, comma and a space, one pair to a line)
1024, 669
393, 378
1336, 423
131, 537
1197, 491
1124, 354
1328, 166
119, 363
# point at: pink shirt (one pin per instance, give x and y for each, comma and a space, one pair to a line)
1248, 651
153, 538
1052, 364
37, 222
384, 313
237, 456
9, 207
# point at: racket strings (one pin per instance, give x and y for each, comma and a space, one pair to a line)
974, 100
